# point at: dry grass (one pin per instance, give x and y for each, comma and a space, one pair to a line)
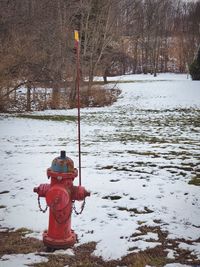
16, 242
98, 96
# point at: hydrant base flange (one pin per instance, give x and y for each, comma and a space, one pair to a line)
59, 243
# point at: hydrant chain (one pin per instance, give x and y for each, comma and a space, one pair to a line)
81, 210
40, 207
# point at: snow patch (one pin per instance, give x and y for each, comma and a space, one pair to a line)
20, 260
177, 265
171, 254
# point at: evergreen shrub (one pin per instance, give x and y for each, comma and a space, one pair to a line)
195, 68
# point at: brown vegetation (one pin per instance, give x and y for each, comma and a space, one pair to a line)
116, 37
15, 242
44, 98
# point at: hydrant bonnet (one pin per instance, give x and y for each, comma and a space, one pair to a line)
62, 164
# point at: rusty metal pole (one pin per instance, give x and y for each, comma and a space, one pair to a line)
77, 47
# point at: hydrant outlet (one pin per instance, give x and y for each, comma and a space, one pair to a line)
35, 189
87, 193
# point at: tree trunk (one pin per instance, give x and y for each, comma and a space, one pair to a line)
105, 76
55, 96
45, 98
73, 91
28, 95
90, 83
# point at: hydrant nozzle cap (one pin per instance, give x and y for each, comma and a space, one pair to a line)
35, 189
62, 154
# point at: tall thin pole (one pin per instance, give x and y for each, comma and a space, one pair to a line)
78, 99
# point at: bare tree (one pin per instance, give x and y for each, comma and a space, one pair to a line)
37, 46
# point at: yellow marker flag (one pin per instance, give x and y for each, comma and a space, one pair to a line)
76, 36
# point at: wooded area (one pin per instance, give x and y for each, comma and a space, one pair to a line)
116, 37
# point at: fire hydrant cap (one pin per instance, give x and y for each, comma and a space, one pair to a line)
62, 164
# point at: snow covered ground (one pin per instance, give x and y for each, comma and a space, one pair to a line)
137, 156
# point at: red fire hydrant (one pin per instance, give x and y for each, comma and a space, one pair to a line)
60, 194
